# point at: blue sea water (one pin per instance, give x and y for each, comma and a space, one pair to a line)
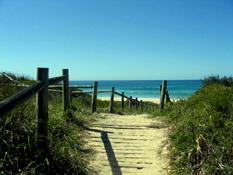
180, 89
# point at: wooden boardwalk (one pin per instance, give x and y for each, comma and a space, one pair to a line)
127, 144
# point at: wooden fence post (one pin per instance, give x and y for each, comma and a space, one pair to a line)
65, 90
136, 104
94, 97
163, 94
42, 110
130, 103
141, 106
111, 100
122, 100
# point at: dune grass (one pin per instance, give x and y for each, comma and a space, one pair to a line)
201, 130
68, 153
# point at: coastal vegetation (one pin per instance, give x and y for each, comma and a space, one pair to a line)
201, 129
67, 154
201, 140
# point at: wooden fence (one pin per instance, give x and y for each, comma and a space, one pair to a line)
44, 84
113, 93
40, 88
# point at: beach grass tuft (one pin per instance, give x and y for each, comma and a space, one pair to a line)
68, 153
201, 130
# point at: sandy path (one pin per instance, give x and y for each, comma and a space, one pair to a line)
127, 144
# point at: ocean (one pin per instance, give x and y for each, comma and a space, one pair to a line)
178, 89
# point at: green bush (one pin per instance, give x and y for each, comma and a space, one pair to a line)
226, 81
201, 135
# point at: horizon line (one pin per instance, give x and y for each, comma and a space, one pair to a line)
146, 80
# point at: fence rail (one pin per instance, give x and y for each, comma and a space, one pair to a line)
45, 84
40, 88
7, 104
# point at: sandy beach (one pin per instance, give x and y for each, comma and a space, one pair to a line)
153, 100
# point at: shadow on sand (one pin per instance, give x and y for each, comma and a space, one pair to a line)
116, 170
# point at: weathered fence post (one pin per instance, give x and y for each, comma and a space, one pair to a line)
136, 103
42, 110
130, 103
122, 100
163, 94
94, 97
141, 105
65, 90
111, 100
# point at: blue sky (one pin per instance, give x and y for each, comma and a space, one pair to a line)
118, 39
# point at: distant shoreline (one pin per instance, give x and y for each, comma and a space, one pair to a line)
148, 90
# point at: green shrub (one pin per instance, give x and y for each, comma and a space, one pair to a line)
226, 81
201, 135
